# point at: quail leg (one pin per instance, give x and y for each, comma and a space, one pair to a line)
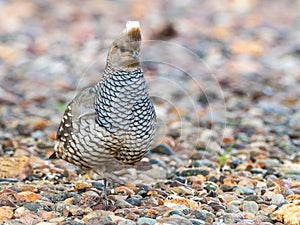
104, 194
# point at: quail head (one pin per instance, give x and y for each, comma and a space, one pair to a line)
111, 125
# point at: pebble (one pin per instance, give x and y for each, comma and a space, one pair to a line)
203, 163
254, 198
243, 190
253, 122
227, 197
44, 223
97, 184
173, 212
61, 196
15, 167
37, 134
181, 190
209, 186
6, 212
20, 210
199, 214
158, 162
162, 149
270, 163
193, 172
261, 145
230, 218
34, 207
127, 222
8, 180
288, 213
98, 220
234, 206
146, 221
29, 196
124, 190
116, 219
199, 155
258, 171
180, 203
156, 172
277, 199
14, 222
97, 214
120, 202
60, 220
250, 206
216, 205
175, 206
265, 218
197, 222
46, 215
180, 179
80, 185
210, 217
145, 178
134, 201
74, 210
175, 219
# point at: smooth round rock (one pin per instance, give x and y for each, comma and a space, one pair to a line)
193, 172
127, 222
197, 222
35, 207
277, 199
157, 161
146, 221
72, 223
133, 201
203, 162
199, 214
162, 149
97, 184
250, 206
229, 218
244, 190
174, 212
233, 206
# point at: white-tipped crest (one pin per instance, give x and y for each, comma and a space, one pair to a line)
132, 24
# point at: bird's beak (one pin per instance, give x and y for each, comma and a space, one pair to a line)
136, 55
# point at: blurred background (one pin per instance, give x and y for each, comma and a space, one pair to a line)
224, 76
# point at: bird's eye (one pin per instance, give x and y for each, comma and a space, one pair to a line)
122, 49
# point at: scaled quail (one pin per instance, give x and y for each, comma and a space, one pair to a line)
112, 124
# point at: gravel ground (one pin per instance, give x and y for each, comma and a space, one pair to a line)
224, 77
